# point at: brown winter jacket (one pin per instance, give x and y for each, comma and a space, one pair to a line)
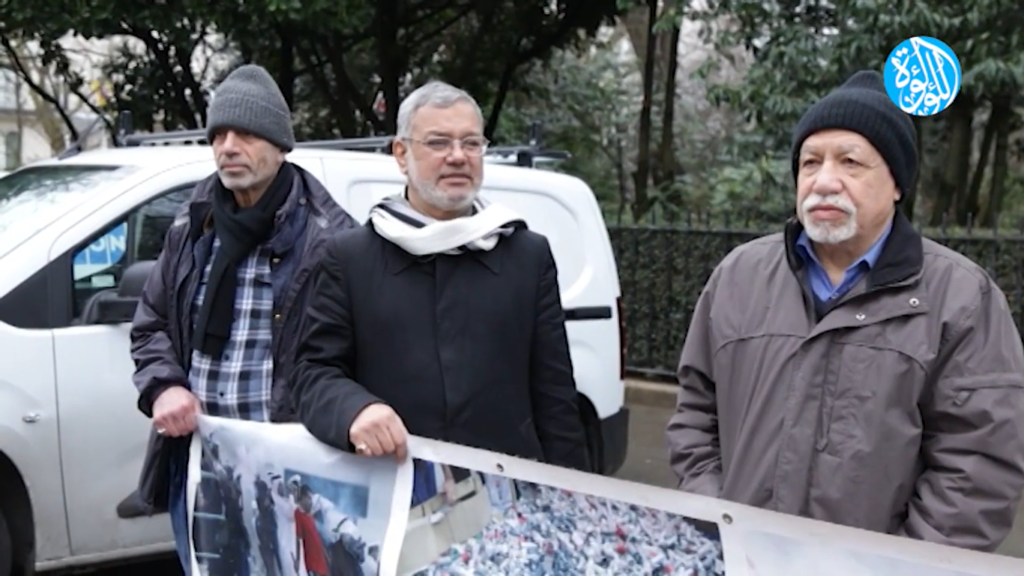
900, 411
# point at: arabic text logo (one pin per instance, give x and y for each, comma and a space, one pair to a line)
922, 76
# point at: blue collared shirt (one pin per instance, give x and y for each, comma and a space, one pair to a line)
821, 284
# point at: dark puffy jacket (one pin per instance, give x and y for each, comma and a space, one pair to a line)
161, 331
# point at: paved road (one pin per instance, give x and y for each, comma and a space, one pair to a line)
646, 462
647, 458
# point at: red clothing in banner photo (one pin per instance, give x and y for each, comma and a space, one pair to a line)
312, 545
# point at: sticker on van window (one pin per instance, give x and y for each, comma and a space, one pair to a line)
105, 252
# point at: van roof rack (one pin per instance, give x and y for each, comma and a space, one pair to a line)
529, 154
525, 155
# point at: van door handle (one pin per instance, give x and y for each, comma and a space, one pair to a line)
588, 313
31, 418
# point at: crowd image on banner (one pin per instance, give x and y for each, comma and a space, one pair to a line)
466, 522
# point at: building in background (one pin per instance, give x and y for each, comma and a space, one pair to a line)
22, 138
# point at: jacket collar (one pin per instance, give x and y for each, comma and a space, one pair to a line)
901, 259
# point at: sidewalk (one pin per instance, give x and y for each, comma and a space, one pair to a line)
650, 393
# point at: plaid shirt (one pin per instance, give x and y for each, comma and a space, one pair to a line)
239, 384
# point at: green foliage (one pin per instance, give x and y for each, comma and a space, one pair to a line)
584, 102
588, 102
798, 51
761, 189
332, 58
802, 50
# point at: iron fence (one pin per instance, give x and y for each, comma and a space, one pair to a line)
662, 270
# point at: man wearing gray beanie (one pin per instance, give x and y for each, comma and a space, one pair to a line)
847, 369
218, 321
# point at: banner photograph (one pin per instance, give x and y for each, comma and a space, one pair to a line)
485, 523
271, 500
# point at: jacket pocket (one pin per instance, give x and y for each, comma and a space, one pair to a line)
841, 372
531, 441
850, 419
963, 388
154, 479
868, 392
281, 407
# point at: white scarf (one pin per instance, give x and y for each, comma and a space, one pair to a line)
398, 222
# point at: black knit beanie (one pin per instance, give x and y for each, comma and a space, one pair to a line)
862, 105
249, 99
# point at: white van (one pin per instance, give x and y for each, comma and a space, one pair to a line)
72, 440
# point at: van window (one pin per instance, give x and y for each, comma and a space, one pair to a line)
99, 263
33, 197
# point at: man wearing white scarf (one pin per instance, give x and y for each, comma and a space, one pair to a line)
442, 316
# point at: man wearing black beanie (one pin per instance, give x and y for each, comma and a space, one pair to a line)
847, 369
216, 328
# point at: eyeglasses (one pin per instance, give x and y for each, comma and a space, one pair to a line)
470, 145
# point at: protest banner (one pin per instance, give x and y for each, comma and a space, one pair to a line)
269, 499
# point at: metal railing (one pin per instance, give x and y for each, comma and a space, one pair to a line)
662, 270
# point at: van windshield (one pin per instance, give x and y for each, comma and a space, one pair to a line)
33, 197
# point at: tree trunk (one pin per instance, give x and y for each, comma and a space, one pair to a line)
388, 60
620, 173
1002, 115
956, 166
635, 24
968, 209
641, 200
665, 170
286, 65
335, 92
910, 201
504, 86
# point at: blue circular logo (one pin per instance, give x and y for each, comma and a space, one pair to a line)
922, 76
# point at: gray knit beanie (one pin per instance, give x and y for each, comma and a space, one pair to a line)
249, 99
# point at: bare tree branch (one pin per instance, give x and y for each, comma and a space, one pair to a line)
26, 76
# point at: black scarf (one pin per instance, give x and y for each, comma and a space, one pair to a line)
239, 230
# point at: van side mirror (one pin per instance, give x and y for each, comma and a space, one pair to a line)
110, 307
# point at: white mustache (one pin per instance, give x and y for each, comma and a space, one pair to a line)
836, 201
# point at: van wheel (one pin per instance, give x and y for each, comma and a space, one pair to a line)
6, 553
